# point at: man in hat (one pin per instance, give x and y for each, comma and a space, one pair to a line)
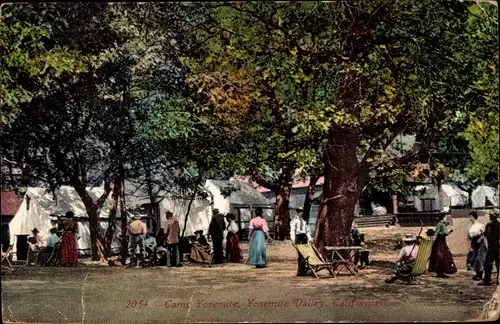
137, 230
173, 233
299, 233
492, 234
36, 243
406, 258
216, 231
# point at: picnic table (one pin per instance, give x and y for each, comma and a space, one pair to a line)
340, 262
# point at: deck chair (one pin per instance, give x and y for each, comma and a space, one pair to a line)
6, 264
313, 259
420, 266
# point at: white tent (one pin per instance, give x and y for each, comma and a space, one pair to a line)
484, 196
451, 196
40, 208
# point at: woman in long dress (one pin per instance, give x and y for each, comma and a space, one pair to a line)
258, 234
441, 260
68, 248
200, 250
233, 250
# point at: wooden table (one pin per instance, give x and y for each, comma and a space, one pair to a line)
339, 262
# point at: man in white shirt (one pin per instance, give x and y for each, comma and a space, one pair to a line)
36, 243
406, 258
299, 233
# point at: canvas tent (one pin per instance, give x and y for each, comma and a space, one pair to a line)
239, 198
484, 196
40, 209
427, 197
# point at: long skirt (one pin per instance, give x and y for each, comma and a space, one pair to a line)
68, 251
441, 260
233, 248
200, 253
480, 251
257, 253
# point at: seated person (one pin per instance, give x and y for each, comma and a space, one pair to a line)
200, 250
52, 240
150, 244
36, 243
406, 258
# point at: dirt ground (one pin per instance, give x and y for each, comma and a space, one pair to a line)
238, 292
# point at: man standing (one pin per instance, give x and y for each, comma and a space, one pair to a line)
173, 233
137, 229
299, 233
492, 234
216, 231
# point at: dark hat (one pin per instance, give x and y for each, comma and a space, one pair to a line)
199, 232
53, 230
70, 214
494, 213
35, 230
169, 214
430, 232
258, 211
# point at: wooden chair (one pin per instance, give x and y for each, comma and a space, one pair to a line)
313, 259
420, 266
6, 264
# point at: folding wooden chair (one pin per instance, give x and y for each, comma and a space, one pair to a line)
313, 259
420, 266
6, 264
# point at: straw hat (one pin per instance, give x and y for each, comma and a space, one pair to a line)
409, 238
137, 216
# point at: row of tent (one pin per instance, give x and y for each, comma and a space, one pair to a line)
452, 196
40, 209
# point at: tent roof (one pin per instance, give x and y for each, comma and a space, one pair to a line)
241, 193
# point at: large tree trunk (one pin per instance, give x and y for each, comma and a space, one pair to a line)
282, 211
93, 209
123, 217
311, 190
340, 191
110, 232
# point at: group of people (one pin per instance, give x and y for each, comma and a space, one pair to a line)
484, 250
484, 247
62, 237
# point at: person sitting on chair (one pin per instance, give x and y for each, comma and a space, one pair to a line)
358, 240
406, 258
36, 244
150, 245
200, 250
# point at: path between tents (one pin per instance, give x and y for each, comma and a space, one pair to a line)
233, 292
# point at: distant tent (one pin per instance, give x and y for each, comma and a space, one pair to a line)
40, 210
427, 197
484, 196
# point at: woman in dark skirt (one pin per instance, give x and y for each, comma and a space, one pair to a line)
441, 261
68, 248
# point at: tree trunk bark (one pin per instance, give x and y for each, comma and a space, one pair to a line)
281, 211
340, 191
92, 209
123, 217
110, 232
186, 217
311, 190
394, 204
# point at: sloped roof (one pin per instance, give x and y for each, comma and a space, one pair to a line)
10, 203
241, 193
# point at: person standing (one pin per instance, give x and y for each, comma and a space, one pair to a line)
299, 233
233, 250
258, 234
492, 234
216, 232
137, 231
478, 248
68, 249
173, 234
441, 260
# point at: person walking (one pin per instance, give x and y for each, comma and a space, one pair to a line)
441, 260
492, 234
173, 234
68, 249
216, 232
477, 245
233, 250
299, 233
258, 234
137, 230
